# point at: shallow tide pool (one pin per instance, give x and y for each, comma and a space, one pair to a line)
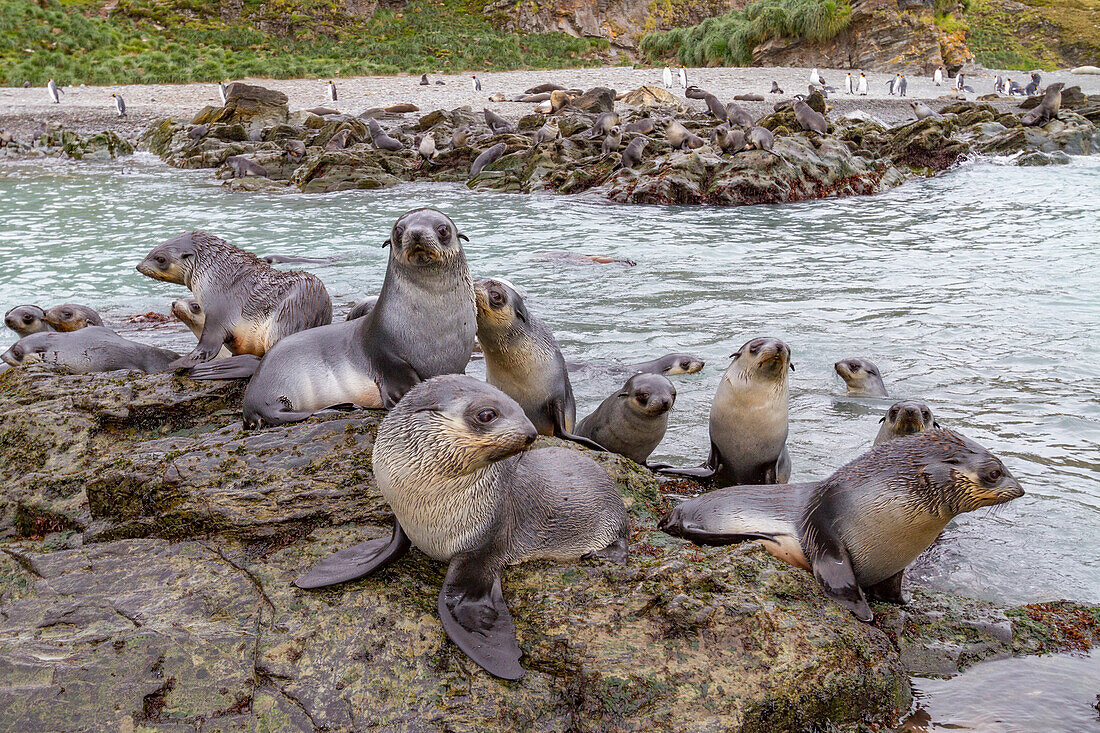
977, 291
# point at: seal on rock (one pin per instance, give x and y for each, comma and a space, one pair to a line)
88, 350
70, 317
1047, 109
189, 312
862, 377
809, 119
27, 319
451, 461
249, 305
632, 154
523, 360
489, 156
905, 418
748, 419
633, 421
859, 529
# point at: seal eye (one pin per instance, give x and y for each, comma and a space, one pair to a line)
28, 318
195, 308
443, 231
643, 396
66, 314
487, 415
160, 259
893, 414
926, 415
398, 231
496, 297
993, 475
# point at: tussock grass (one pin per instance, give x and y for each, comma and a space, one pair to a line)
166, 41
729, 39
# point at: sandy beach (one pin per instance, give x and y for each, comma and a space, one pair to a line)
85, 109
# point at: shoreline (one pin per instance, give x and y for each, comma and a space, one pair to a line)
26, 112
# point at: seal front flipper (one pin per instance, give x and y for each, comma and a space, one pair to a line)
357, 561
476, 618
829, 558
889, 590
235, 367
707, 470
557, 415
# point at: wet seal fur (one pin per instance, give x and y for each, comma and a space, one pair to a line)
863, 378
905, 418
859, 529
71, 317
249, 305
632, 422
88, 350
27, 319
452, 461
748, 419
189, 312
422, 326
523, 360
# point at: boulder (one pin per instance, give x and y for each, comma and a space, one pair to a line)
653, 96
596, 100
255, 107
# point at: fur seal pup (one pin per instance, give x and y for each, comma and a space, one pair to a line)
295, 150
198, 132
643, 126
362, 308
862, 377
70, 317
808, 119
680, 138
905, 418
612, 142
669, 365
460, 136
381, 140
189, 312
486, 158
295, 259
497, 123
451, 460
544, 88
339, 141
523, 360
425, 146
27, 319
922, 110
603, 125
775, 88
423, 325
242, 167
859, 529
729, 141
632, 155
738, 115
748, 419
761, 138
547, 133
695, 92
715, 107
249, 304
88, 350
1047, 109
633, 421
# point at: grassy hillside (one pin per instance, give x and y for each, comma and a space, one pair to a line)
147, 41
1042, 34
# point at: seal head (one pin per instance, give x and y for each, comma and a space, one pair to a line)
905, 418
862, 377
26, 319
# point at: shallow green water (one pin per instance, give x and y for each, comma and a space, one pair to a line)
977, 291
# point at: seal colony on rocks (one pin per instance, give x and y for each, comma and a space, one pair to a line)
860, 528
451, 460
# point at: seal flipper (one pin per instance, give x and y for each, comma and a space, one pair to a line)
889, 590
476, 618
242, 366
829, 557
707, 470
557, 415
356, 561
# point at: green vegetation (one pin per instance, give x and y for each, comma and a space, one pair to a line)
1040, 34
160, 41
729, 39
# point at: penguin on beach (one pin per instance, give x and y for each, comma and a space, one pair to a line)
55, 91
119, 104
902, 84
683, 77
848, 88
476, 83
221, 92
332, 90
937, 76
862, 84
668, 78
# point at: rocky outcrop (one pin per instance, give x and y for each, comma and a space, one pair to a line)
251, 107
855, 157
57, 141
148, 586
883, 35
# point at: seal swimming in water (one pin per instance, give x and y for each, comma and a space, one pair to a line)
859, 529
669, 365
451, 460
70, 317
189, 312
633, 421
523, 360
88, 350
249, 305
862, 377
905, 418
27, 319
748, 419
422, 326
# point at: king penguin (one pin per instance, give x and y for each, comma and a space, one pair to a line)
862, 84
683, 77
848, 89
55, 91
668, 78
476, 82
332, 91
937, 77
119, 105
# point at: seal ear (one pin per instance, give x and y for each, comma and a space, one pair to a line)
935, 423
883, 419
186, 255
521, 310
387, 243
463, 237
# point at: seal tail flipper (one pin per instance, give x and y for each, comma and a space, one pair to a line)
476, 618
235, 367
829, 559
889, 590
357, 561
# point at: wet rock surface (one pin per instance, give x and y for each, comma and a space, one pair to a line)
857, 156
148, 545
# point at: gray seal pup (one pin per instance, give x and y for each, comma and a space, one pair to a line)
296, 260
603, 125
858, 530
422, 326
88, 350
748, 419
612, 142
70, 317
189, 312
1047, 109
633, 421
761, 138
295, 150
242, 167
861, 376
729, 140
668, 365
809, 119
715, 107
547, 133
249, 304
632, 155
737, 114
381, 140
339, 141
497, 123
460, 136
680, 138
489, 156
451, 460
905, 418
523, 360
27, 319
922, 110
642, 126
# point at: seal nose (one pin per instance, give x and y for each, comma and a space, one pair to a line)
530, 435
